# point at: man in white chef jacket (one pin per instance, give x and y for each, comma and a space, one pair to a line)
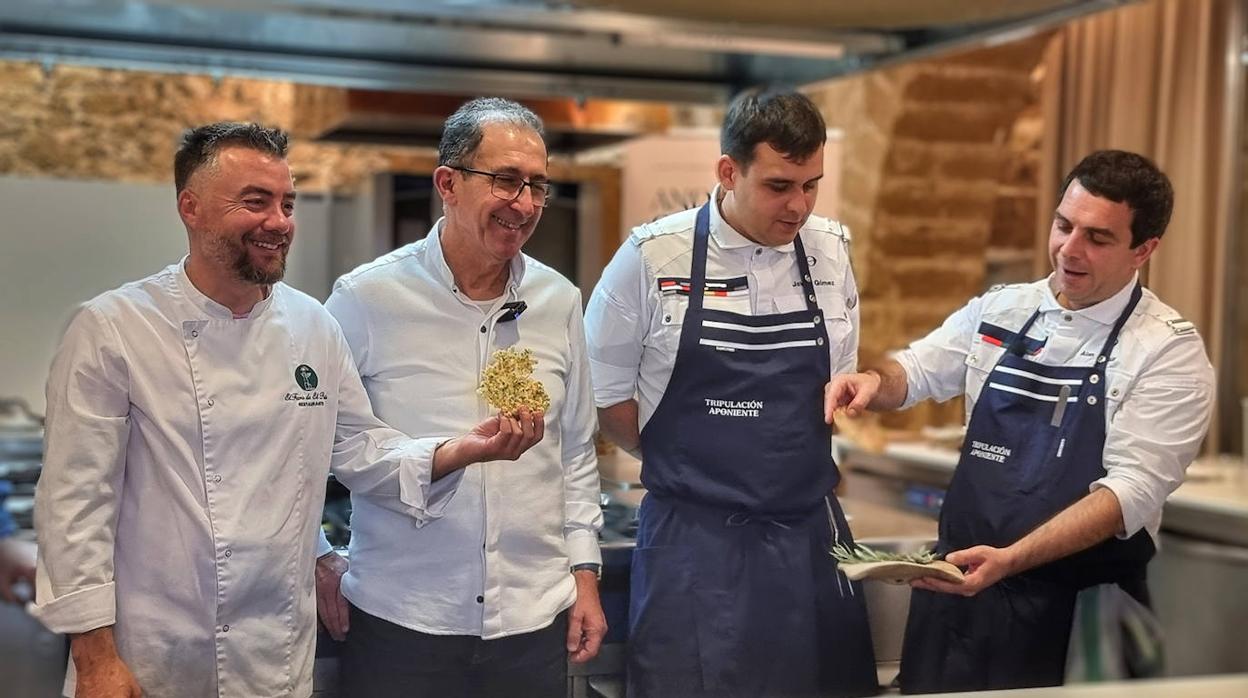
496, 597
192, 420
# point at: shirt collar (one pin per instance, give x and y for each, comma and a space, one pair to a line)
1106, 312
726, 236
212, 308
435, 261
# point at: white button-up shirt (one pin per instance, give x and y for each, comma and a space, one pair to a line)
183, 480
497, 563
1159, 382
633, 325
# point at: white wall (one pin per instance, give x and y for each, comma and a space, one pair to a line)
64, 242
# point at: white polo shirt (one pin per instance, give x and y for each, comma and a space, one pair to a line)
633, 321
1159, 382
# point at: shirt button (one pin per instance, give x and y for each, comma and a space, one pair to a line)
210, 402
483, 329
1067, 317
758, 251
229, 553
1114, 392
194, 333
216, 478
225, 628
480, 599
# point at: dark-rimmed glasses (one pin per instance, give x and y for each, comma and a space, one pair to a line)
507, 186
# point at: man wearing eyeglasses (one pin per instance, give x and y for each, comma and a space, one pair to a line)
496, 596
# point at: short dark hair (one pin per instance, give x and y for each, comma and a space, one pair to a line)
463, 130
200, 146
1130, 178
783, 118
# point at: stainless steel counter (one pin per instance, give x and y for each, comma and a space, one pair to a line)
1232, 686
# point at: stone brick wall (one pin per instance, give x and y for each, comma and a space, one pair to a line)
939, 186
77, 122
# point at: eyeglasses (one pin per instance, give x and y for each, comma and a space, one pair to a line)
508, 186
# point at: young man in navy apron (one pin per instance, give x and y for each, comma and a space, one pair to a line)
711, 336
1087, 397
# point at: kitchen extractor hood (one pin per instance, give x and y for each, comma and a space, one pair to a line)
659, 50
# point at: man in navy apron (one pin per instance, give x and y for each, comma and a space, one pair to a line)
1087, 397
711, 336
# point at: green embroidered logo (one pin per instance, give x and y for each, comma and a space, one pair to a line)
305, 377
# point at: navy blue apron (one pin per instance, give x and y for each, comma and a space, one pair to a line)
1034, 444
733, 590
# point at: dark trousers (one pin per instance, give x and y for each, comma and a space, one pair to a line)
383, 660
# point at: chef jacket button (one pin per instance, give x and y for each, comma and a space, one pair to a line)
483, 329
480, 599
1091, 399
1067, 317
216, 478
225, 628
210, 402
758, 251
973, 360
229, 553
1100, 359
667, 318
194, 333
1094, 379
1114, 392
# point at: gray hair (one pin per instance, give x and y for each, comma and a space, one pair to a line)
200, 146
463, 130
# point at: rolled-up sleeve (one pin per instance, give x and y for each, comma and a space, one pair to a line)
616, 324
935, 365
370, 458
577, 423
1157, 432
78, 497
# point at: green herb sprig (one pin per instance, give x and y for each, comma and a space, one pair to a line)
860, 553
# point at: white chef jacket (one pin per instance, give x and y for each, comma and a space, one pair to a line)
497, 563
1159, 382
184, 476
633, 327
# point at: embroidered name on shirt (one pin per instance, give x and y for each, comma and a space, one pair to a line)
734, 408
991, 452
312, 399
817, 282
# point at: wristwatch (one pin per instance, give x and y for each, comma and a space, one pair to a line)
591, 566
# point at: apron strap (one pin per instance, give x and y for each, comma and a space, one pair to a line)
697, 274
1017, 343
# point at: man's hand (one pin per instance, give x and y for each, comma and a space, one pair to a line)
331, 605
498, 438
586, 625
101, 673
853, 391
984, 565
17, 564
